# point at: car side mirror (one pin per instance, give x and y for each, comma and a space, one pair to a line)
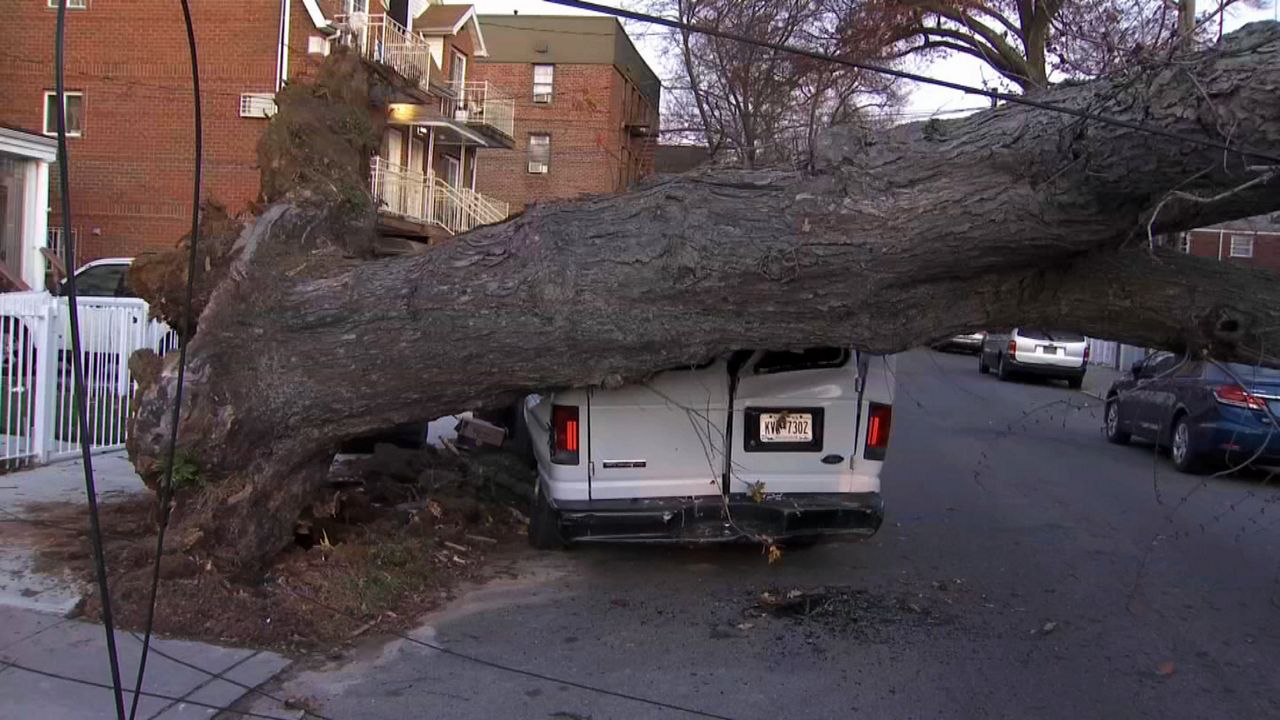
1136, 368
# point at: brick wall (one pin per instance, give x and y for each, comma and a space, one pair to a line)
1266, 247
131, 172
590, 148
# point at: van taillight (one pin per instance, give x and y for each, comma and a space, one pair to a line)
879, 418
564, 434
1013, 346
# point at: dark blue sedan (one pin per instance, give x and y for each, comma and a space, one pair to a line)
1210, 416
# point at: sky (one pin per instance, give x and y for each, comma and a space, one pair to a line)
922, 101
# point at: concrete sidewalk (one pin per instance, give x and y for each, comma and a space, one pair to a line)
20, 585
194, 674
36, 634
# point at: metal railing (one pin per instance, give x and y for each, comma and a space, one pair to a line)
426, 198
479, 103
37, 417
381, 39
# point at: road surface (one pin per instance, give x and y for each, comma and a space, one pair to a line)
1027, 569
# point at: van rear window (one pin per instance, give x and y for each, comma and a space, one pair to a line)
1050, 335
776, 361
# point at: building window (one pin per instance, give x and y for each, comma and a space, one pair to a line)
71, 4
75, 113
1242, 246
539, 153
458, 69
543, 82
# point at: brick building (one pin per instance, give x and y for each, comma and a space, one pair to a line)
586, 107
1253, 241
130, 109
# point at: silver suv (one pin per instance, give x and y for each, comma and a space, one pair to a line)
1051, 354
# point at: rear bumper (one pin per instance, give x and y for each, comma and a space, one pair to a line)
1045, 369
1236, 442
713, 519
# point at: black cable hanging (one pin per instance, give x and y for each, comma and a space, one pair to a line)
904, 75
77, 369
184, 338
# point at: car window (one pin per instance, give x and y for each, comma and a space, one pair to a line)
1193, 369
1159, 364
1050, 335
1246, 373
100, 280
776, 361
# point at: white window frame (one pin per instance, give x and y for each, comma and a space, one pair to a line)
71, 4
456, 57
539, 165
544, 96
1245, 245
44, 112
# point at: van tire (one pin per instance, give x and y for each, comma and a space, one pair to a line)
544, 523
983, 367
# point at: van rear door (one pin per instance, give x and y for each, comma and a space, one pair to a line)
660, 438
796, 422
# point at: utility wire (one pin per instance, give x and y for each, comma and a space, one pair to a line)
515, 670
222, 676
77, 369
184, 339
916, 77
5, 663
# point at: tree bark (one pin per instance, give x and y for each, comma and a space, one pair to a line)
1010, 216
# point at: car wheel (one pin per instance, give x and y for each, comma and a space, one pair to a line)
1002, 370
983, 367
1075, 383
1112, 423
544, 523
1184, 457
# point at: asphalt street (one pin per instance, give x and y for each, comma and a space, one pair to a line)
1027, 569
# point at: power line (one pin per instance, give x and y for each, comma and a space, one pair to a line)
916, 77
515, 670
184, 338
79, 399
223, 677
6, 663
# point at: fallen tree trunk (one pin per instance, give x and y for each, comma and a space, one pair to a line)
1011, 216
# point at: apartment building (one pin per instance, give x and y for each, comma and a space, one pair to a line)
129, 108
586, 107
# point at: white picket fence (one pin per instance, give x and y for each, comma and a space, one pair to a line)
37, 416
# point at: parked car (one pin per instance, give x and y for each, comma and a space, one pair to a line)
1207, 416
965, 342
776, 444
1042, 353
105, 278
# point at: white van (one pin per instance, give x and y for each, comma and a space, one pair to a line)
773, 445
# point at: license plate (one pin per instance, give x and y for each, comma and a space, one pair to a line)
1050, 350
786, 427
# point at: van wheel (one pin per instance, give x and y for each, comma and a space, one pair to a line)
983, 367
1002, 370
1075, 383
544, 523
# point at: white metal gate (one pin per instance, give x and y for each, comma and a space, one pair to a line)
37, 416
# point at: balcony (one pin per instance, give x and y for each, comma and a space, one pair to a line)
383, 40
425, 198
483, 107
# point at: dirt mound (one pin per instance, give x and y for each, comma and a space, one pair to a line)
386, 540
